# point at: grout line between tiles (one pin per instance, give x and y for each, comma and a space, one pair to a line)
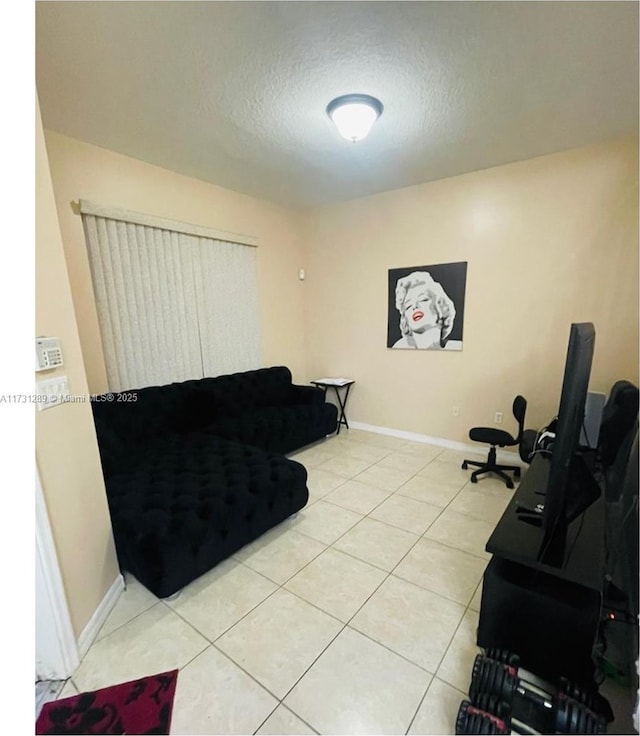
212, 641
286, 707
100, 638
388, 573
424, 695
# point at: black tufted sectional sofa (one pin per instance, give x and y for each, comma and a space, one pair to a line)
195, 470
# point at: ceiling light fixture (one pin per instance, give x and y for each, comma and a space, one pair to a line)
354, 115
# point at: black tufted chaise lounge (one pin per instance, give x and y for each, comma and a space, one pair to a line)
196, 470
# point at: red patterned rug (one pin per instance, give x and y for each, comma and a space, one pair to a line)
138, 707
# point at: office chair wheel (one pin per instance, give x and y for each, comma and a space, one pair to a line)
464, 465
474, 479
516, 473
510, 484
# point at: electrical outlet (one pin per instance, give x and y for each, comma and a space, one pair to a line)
498, 417
456, 411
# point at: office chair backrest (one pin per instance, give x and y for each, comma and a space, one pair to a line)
618, 416
519, 410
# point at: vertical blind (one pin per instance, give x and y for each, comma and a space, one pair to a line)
172, 305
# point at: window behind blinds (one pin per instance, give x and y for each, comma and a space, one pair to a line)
172, 305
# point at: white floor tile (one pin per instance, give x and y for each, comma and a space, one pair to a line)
378, 505
68, 690
377, 543
216, 601
439, 709
283, 722
378, 440
155, 641
283, 556
450, 572
336, 583
351, 434
313, 456
325, 522
406, 513
214, 696
413, 622
436, 492
483, 500
345, 465
477, 598
410, 462
134, 600
389, 479
457, 663
421, 449
320, 482
456, 457
359, 687
356, 496
446, 471
279, 640
365, 452
462, 532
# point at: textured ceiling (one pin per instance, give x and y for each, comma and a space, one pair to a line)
235, 92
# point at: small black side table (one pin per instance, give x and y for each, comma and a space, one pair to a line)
337, 384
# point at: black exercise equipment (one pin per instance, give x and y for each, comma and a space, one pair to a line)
564, 689
474, 720
501, 680
489, 715
503, 701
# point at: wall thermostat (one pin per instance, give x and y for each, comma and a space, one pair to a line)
48, 353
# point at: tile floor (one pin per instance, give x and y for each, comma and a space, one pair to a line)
356, 616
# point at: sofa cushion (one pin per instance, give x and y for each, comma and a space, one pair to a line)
113, 450
191, 471
139, 418
237, 393
193, 501
277, 429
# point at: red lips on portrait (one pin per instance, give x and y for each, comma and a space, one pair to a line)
417, 315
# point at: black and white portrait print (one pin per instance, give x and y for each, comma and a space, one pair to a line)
426, 307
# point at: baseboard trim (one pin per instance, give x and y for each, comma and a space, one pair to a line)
503, 456
91, 630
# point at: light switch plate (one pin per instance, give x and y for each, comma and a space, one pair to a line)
52, 392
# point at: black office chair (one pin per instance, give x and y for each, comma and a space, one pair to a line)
498, 438
527, 446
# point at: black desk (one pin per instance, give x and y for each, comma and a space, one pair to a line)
337, 384
547, 615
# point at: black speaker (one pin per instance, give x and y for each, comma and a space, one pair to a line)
550, 623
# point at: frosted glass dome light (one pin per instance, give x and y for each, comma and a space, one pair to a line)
354, 115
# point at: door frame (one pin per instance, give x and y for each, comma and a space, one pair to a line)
57, 654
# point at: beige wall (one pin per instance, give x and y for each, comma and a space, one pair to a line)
66, 449
548, 241
82, 171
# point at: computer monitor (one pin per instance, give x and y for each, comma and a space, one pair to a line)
571, 488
